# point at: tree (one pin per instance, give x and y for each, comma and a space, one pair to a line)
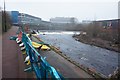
6, 21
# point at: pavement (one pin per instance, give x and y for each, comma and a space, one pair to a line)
0, 56
12, 59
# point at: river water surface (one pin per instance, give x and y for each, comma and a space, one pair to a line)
102, 60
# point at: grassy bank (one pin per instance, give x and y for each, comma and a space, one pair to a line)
97, 42
97, 34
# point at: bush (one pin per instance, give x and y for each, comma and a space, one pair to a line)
96, 30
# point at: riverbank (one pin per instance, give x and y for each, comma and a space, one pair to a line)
97, 42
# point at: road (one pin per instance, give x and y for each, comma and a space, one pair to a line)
99, 59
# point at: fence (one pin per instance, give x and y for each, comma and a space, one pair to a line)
38, 64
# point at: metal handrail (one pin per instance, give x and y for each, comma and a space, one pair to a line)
39, 65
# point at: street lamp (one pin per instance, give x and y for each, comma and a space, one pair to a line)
5, 27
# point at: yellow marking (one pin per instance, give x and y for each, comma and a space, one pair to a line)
28, 63
45, 47
24, 52
37, 45
34, 34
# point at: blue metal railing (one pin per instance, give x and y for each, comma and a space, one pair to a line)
38, 64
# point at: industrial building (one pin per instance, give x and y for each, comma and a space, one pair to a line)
63, 20
28, 19
109, 23
22, 18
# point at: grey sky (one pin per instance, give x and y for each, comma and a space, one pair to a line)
81, 9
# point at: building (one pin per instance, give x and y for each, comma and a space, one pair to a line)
63, 20
28, 19
86, 21
22, 18
14, 17
109, 23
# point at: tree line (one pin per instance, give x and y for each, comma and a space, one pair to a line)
5, 22
96, 30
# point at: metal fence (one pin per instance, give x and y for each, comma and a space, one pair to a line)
38, 64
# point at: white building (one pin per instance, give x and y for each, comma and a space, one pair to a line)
63, 20
26, 18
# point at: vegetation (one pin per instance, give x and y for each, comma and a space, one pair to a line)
95, 30
6, 21
99, 35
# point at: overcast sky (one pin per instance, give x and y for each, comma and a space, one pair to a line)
81, 9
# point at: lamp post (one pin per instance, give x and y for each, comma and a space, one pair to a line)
4, 18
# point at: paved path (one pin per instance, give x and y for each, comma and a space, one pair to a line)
0, 56
12, 59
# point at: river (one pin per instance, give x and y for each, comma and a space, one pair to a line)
102, 60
